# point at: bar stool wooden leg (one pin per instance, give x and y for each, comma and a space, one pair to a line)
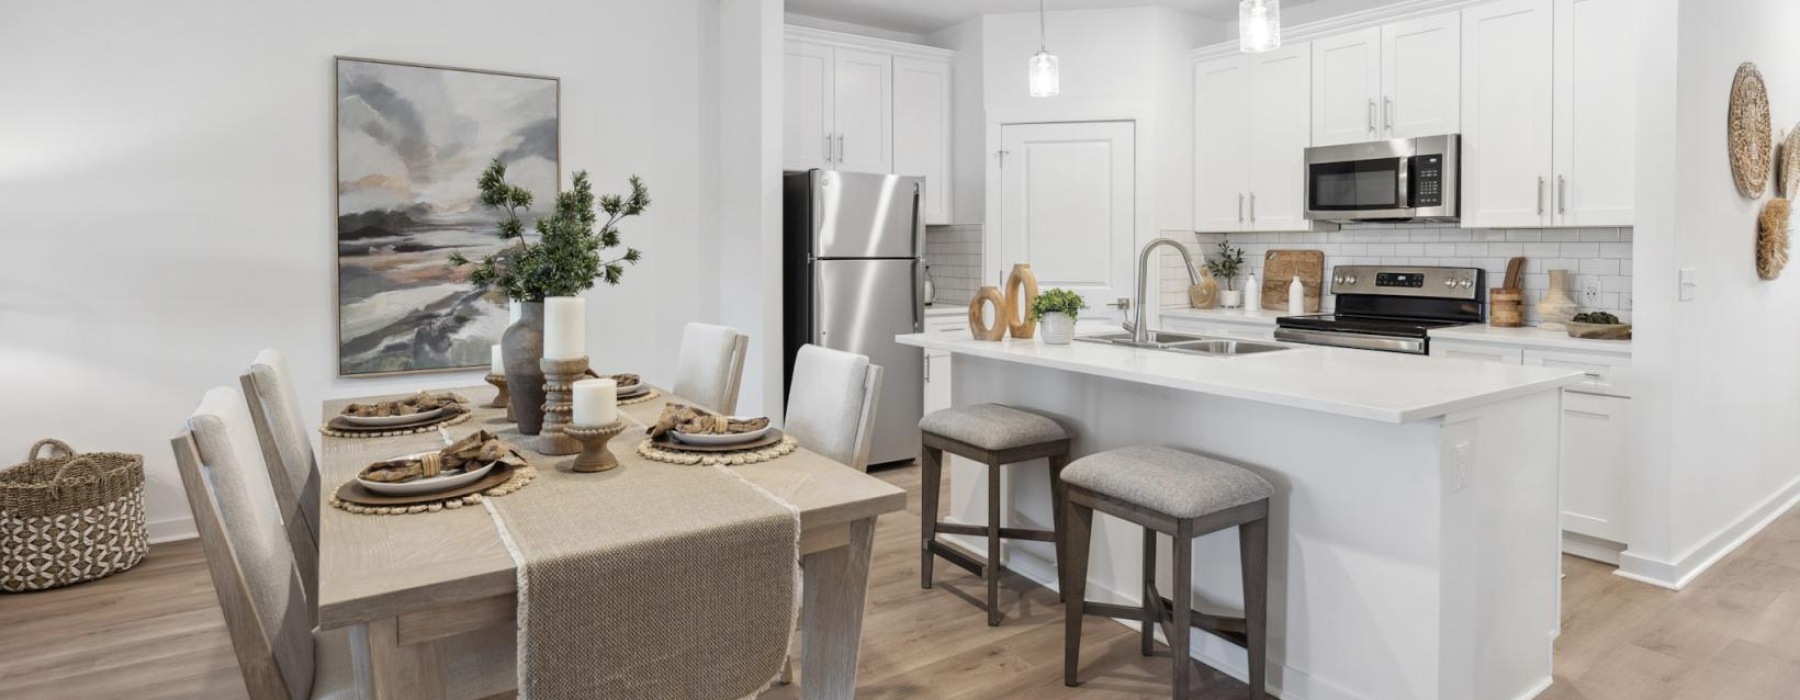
1183, 594
931, 463
1079, 521
1152, 605
1253, 548
993, 536
1058, 494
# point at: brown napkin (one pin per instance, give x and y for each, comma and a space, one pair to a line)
468, 453
699, 421
417, 403
625, 380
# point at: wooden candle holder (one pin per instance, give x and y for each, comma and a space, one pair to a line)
559, 404
503, 397
594, 457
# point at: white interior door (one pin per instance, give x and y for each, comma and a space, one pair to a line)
1067, 198
863, 110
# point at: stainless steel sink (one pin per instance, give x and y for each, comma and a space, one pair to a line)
1186, 343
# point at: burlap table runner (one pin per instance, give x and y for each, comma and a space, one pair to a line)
649, 581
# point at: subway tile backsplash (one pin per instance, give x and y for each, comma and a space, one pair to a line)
954, 256
1601, 254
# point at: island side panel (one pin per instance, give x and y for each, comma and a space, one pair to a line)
1356, 576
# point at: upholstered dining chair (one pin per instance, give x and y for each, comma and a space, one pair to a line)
252, 564
287, 450
831, 404
710, 368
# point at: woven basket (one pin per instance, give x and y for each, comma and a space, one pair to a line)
69, 519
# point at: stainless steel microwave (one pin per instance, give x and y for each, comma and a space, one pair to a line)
1396, 180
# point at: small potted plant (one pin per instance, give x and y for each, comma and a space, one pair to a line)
1224, 266
1056, 310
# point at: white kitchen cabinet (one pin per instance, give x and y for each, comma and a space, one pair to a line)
1511, 355
1251, 131
1398, 80
922, 131
863, 110
937, 362
1347, 87
808, 140
1596, 433
1595, 112
1506, 139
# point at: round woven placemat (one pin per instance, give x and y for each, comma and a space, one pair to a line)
1790, 165
1747, 132
640, 398
1772, 239
651, 451
522, 477
329, 431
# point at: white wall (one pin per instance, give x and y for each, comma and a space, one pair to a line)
1722, 380
167, 190
749, 245
968, 154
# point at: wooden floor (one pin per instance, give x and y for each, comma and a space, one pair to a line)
155, 632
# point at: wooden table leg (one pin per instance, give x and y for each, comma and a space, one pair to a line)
409, 671
837, 586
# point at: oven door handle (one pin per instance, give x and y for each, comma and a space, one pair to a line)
1403, 197
1358, 341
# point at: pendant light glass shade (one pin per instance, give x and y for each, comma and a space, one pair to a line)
1259, 25
1045, 78
1045, 82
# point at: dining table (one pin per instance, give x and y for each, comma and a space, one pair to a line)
411, 583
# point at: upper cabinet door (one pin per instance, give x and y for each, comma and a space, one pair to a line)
1421, 77
1280, 93
1506, 166
1346, 87
922, 130
1222, 144
807, 107
863, 110
1595, 112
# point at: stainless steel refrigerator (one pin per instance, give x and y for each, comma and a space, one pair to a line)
852, 279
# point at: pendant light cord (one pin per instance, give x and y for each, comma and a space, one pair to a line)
1042, 40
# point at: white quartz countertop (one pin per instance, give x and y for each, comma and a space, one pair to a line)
1378, 386
946, 310
1532, 338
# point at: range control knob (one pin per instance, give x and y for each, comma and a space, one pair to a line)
1466, 283
1449, 282
1350, 279
1337, 279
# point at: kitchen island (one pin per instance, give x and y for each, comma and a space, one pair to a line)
1414, 540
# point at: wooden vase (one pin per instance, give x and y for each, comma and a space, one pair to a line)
559, 408
1506, 308
989, 295
1021, 290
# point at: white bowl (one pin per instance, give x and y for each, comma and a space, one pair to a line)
716, 440
385, 421
431, 485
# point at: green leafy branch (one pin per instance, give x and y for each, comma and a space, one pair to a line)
567, 257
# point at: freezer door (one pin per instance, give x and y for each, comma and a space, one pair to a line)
860, 305
862, 215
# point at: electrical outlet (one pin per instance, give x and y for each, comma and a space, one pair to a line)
1625, 301
1590, 291
1689, 282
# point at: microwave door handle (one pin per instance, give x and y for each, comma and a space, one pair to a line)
1404, 194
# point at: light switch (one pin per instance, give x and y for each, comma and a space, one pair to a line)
1690, 284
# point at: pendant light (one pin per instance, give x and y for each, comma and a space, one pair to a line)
1044, 75
1259, 25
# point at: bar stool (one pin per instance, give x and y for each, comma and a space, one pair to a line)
993, 435
1183, 495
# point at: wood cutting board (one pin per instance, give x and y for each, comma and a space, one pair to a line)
1279, 269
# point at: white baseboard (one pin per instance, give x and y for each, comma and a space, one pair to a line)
172, 530
1591, 548
1678, 574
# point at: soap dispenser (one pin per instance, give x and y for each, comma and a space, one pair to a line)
1296, 297
1252, 296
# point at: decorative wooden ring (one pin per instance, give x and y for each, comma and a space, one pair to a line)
1019, 321
989, 294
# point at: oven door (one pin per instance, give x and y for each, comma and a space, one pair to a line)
1359, 182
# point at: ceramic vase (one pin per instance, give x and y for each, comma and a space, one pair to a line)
1230, 298
1059, 328
522, 346
1557, 309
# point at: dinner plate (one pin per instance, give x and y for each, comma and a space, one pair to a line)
429, 485
389, 421
714, 440
638, 389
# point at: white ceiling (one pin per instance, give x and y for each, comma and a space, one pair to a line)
926, 16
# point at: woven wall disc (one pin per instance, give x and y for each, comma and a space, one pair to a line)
1790, 165
1747, 132
1772, 239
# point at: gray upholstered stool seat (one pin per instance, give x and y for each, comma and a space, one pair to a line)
992, 426
1178, 484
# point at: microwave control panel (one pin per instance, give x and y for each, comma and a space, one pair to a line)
1428, 181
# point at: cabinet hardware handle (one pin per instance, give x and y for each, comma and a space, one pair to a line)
828, 148
1387, 113
1594, 375
1240, 207
1562, 194
840, 149
1371, 115
1540, 195
927, 370
1252, 208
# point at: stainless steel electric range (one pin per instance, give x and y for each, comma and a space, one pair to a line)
1391, 308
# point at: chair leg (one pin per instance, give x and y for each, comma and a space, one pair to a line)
1152, 606
931, 463
993, 532
1079, 525
1058, 494
1183, 595
1253, 548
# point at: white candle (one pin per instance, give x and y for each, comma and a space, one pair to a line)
495, 364
565, 328
596, 403
515, 310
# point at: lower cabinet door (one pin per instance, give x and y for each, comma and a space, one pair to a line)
937, 380
1594, 470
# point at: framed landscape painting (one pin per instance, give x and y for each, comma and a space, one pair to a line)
411, 142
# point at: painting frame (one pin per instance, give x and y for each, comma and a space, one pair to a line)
337, 157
